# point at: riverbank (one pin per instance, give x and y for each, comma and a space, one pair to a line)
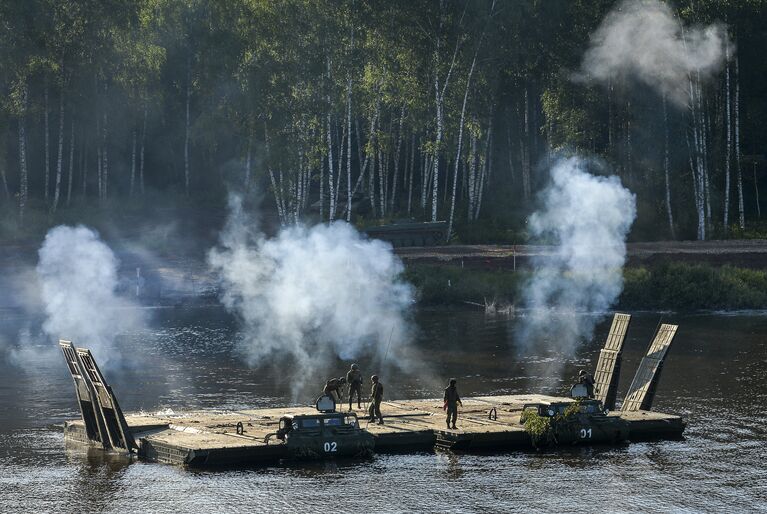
745, 253
165, 267
659, 286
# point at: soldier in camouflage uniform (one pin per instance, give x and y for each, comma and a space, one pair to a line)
452, 401
376, 395
354, 379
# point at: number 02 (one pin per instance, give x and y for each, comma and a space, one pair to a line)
330, 446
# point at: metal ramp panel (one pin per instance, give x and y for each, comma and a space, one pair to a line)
609, 364
86, 396
642, 390
117, 431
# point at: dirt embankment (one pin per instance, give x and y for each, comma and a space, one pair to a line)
741, 253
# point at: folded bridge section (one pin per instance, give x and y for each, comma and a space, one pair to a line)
103, 419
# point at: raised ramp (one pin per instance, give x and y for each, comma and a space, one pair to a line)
114, 421
642, 390
609, 364
86, 398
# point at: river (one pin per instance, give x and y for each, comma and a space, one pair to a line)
715, 375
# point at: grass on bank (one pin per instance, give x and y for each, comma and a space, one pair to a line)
675, 286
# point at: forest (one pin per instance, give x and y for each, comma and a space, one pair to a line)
368, 112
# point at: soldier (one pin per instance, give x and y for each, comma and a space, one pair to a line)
333, 388
354, 379
452, 401
376, 394
587, 380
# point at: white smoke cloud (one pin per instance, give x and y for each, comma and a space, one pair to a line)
312, 294
587, 218
643, 39
78, 282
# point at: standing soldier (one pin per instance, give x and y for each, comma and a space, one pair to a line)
376, 394
587, 380
354, 379
452, 401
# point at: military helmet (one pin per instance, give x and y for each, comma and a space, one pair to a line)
582, 372
374, 378
341, 380
453, 381
355, 367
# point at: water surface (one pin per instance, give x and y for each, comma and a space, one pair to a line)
715, 375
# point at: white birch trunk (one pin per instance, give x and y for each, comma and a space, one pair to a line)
666, 170
609, 116
98, 158
187, 122
105, 157
756, 194
472, 180
524, 151
141, 152
71, 157
331, 174
437, 142
439, 98
381, 182
278, 198
410, 175
299, 188
487, 168
728, 153
60, 155
459, 146
248, 162
629, 163
5, 180
348, 150
47, 165
696, 163
425, 174
371, 178
322, 189
397, 153
339, 167
741, 209
23, 174
133, 162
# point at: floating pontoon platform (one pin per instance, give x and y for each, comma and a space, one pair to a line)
486, 423
205, 438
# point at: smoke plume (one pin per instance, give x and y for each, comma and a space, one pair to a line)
587, 218
78, 281
311, 294
645, 41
